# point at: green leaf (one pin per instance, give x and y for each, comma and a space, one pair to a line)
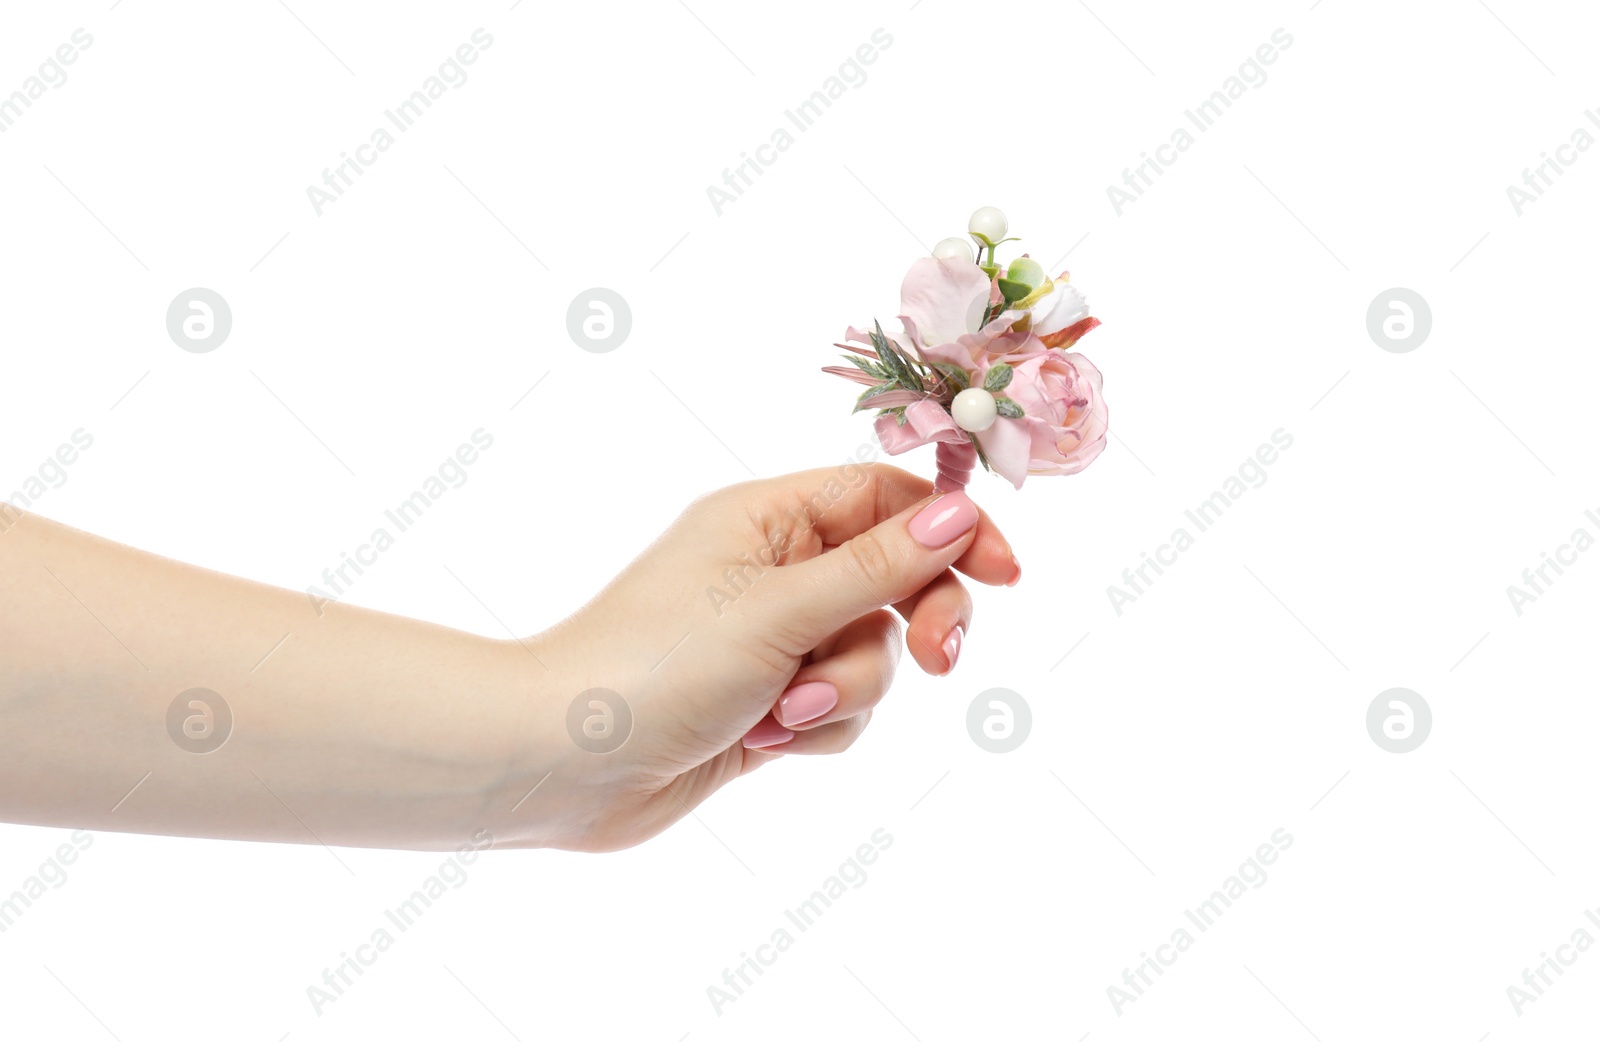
886, 352
880, 344
869, 392
1008, 408
955, 374
1013, 290
894, 360
998, 378
982, 458
870, 368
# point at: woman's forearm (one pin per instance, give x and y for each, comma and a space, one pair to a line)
140, 694
348, 726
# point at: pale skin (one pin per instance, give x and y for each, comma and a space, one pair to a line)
368, 729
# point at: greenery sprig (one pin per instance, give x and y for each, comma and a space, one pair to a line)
897, 370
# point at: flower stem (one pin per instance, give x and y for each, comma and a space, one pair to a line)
955, 461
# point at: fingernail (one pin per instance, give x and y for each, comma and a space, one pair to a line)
805, 702
944, 520
1017, 575
767, 734
952, 648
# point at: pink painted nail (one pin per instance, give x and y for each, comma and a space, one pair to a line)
805, 702
944, 520
952, 648
767, 734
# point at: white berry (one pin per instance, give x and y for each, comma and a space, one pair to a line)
974, 410
987, 223
953, 248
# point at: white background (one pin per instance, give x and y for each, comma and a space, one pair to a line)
1228, 701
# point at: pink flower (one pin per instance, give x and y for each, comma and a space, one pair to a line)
942, 303
1061, 427
1064, 416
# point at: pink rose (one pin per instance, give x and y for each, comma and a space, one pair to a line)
1064, 416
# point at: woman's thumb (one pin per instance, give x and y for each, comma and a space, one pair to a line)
879, 566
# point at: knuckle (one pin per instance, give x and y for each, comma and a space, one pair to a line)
852, 729
702, 507
783, 644
871, 561
719, 500
889, 637
875, 671
880, 471
888, 662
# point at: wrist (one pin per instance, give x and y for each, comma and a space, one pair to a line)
548, 788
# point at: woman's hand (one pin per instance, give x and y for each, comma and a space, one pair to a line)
754, 627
